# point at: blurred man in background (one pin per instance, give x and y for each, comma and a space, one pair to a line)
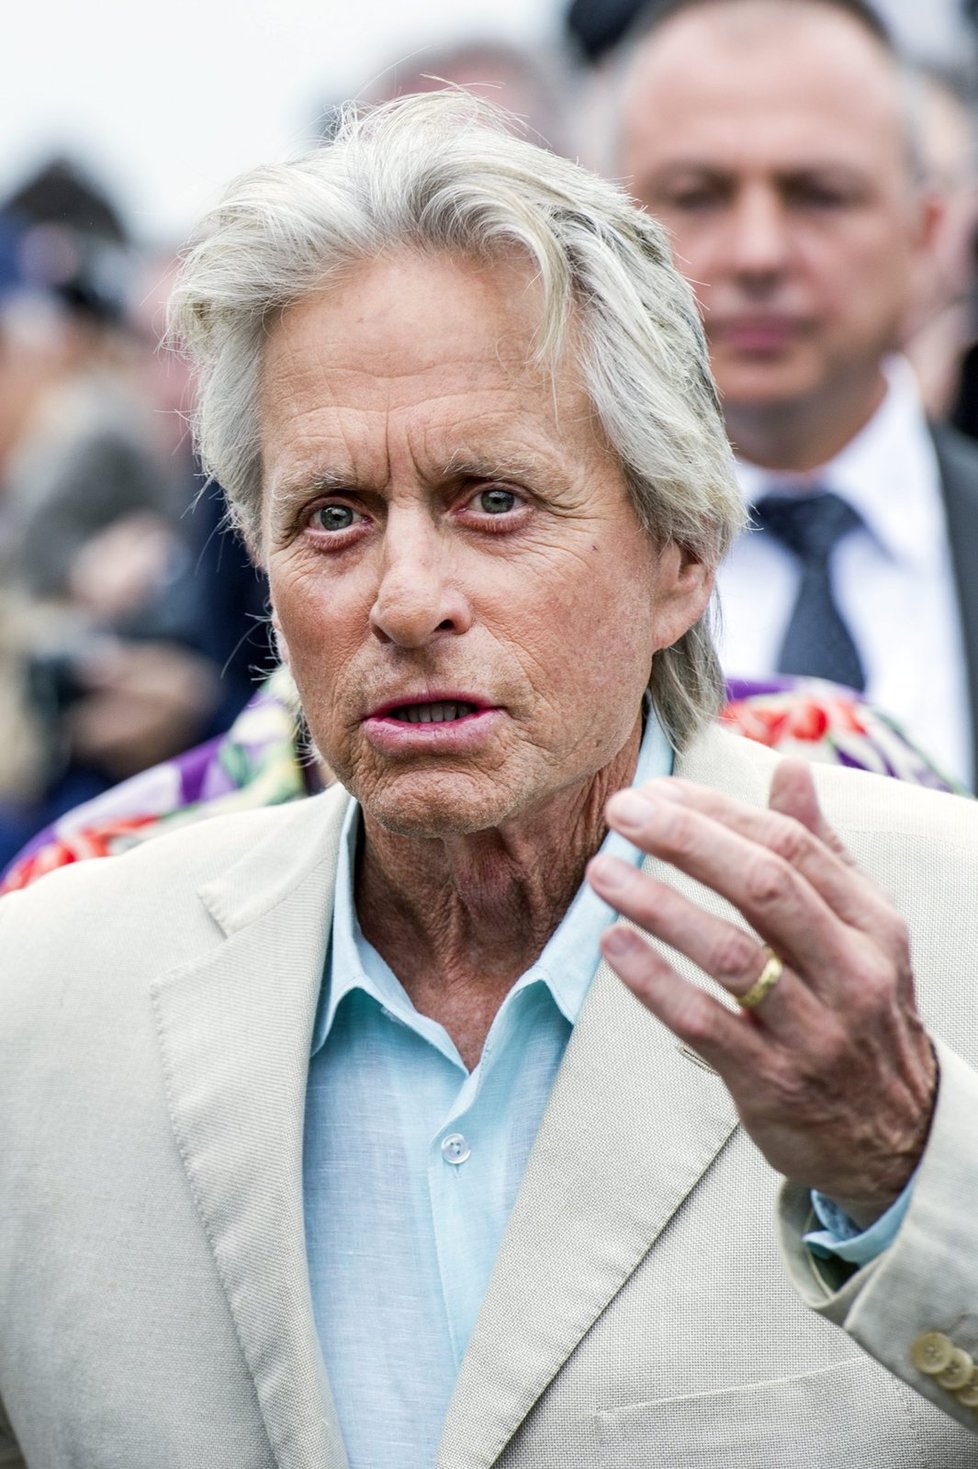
112, 638
773, 140
944, 326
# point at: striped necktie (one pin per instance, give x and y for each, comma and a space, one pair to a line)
816, 641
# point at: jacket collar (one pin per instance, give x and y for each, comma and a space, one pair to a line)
234, 1031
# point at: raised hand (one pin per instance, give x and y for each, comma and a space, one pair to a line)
830, 1067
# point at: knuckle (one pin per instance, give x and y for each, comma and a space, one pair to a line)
871, 988
698, 1029
791, 840
732, 956
898, 937
767, 881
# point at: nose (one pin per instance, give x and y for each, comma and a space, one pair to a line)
419, 596
760, 237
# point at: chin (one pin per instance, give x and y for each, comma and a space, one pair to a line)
433, 807
762, 385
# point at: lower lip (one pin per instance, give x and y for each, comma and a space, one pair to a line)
397, 735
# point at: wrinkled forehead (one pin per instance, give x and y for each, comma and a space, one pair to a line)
409, 314
420, 360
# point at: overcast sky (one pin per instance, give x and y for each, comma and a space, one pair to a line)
167, 101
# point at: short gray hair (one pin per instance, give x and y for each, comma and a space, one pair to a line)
443, 174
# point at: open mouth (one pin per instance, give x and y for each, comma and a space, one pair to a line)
440, 712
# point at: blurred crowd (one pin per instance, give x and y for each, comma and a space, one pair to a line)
132, 623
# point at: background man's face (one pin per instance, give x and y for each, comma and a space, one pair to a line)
771, 146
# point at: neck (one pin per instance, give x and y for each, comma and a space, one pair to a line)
804, 435
460, 918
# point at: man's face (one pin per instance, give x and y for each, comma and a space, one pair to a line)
771, 146
469, 604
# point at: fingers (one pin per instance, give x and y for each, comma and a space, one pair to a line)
773, 895
793, 794
816, 855
832, 1073
726, 1041
721, 949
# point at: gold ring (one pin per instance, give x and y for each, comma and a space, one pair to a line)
764, 983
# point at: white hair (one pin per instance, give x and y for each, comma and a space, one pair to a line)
443, 174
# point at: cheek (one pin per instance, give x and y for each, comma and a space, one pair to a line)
316, 622
602, 636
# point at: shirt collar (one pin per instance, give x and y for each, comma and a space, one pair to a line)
566, 966
888, 473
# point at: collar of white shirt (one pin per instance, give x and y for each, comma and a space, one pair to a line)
888, 473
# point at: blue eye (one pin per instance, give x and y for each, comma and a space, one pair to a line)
333, 517
496, 501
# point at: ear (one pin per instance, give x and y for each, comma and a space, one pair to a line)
932, 209
683, 588
280, 643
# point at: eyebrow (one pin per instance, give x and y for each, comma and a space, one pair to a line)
703, 168
503, 466
318, 482
460, 466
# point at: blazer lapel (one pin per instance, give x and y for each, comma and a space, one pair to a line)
235, 1030
632, 1125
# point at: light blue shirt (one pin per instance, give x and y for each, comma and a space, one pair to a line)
411, 1163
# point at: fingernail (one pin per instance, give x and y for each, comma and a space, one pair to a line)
616, 942
629, 810
610, 872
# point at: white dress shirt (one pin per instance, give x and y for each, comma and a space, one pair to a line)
892, 578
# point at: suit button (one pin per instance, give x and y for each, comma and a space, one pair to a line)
958, 1371
969, 1393
931, 1352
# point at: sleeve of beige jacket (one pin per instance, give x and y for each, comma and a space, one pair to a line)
925, 1285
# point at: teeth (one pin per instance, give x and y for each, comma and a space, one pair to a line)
432, 713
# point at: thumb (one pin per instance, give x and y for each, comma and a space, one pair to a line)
793, 794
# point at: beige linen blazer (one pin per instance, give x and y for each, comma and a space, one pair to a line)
155, 1017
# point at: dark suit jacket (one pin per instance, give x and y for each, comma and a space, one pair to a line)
958, 460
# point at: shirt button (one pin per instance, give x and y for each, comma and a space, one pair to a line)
454, 1149
932, 1352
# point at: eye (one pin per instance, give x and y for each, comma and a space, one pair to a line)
823, 194
692, 201
495, 501
688, 194
334, 517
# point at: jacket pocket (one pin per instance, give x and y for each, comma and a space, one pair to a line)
850, 1416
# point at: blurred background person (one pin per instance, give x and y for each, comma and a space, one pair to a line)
106, 588
533, 86
944, 323
772, 138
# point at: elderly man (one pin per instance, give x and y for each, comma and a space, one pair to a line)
771, 138
328, 1136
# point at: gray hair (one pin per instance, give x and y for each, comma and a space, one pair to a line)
442, 174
